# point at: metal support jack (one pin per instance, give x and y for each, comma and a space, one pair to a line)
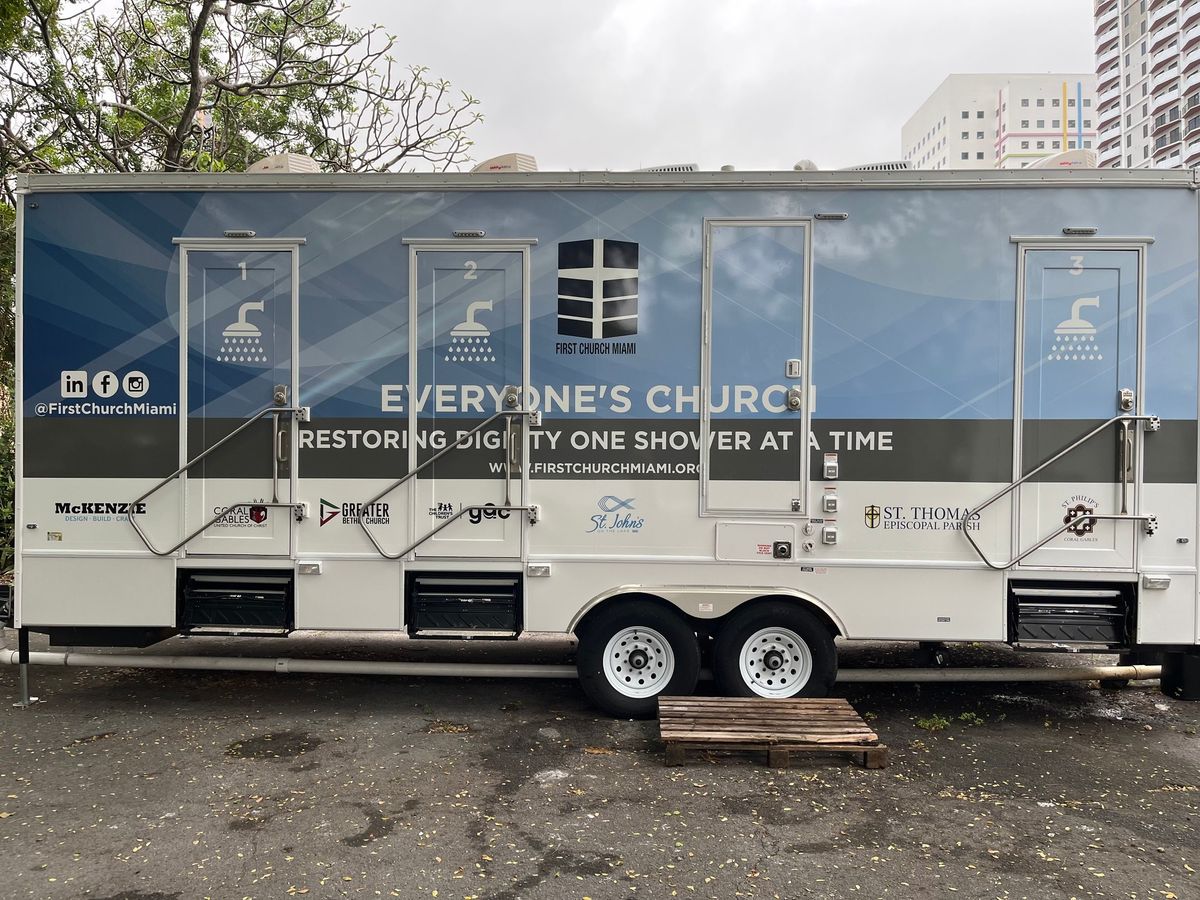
24, 701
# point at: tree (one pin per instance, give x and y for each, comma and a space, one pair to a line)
212, 85
172, 85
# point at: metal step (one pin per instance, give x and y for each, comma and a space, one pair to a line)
1065, 593
467, 634
223, 631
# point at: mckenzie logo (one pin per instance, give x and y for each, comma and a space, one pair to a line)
96, 508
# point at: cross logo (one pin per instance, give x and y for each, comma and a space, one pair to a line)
1078, 520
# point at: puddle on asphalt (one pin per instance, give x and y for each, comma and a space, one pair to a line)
280, 745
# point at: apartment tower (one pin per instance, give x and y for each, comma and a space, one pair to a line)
1001, 121
1148, 83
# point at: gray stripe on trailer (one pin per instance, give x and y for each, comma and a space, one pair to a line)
893, 450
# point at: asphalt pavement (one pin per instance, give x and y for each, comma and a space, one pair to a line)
154, 784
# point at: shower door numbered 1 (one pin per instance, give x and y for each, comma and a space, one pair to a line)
239, 305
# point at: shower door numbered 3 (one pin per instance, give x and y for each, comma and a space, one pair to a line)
239, 309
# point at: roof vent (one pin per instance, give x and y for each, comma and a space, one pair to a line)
1082, 158
900, 165
805, 165
284, 162
672, 167
509, 162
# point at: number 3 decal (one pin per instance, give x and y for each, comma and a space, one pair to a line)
1077, 268
471, 266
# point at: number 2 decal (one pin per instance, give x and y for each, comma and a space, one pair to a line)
471, 266
1077, 268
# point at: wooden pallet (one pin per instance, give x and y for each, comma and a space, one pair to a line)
780, 727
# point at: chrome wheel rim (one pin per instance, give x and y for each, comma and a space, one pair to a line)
775, 662
638, 662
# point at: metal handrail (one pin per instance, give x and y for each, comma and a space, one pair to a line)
1153, 421
273, 410
462, 512
502, 414
1151, 527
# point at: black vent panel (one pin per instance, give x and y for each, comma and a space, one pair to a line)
1071, 615
457, 605
234, 599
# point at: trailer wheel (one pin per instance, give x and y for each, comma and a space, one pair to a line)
776, 650
633, 652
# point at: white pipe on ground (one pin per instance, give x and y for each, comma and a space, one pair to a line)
1066, 673
284, 665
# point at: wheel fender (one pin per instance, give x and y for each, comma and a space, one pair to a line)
707, 603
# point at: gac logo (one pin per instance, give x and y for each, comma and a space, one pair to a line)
476, 515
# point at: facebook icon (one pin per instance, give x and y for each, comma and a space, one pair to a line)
105, 384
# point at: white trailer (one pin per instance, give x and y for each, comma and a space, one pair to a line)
727, 414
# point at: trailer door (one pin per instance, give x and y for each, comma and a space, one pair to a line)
469, 312
755, 364
239, 301
1078, 351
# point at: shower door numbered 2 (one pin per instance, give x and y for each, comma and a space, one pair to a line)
470, 327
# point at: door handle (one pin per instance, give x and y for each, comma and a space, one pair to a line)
514, 441
795, 399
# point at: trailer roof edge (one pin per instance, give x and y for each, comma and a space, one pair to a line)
191, 181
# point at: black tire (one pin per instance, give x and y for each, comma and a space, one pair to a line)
745, 623
604, 625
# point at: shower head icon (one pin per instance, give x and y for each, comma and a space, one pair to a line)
1077, 324
1075, 338
470, 340
242, 340
242, 328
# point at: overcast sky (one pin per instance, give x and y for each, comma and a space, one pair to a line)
759, 84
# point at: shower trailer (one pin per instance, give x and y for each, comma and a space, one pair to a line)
723, 417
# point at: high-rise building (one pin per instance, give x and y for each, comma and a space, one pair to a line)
1148, 82
1000, 121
